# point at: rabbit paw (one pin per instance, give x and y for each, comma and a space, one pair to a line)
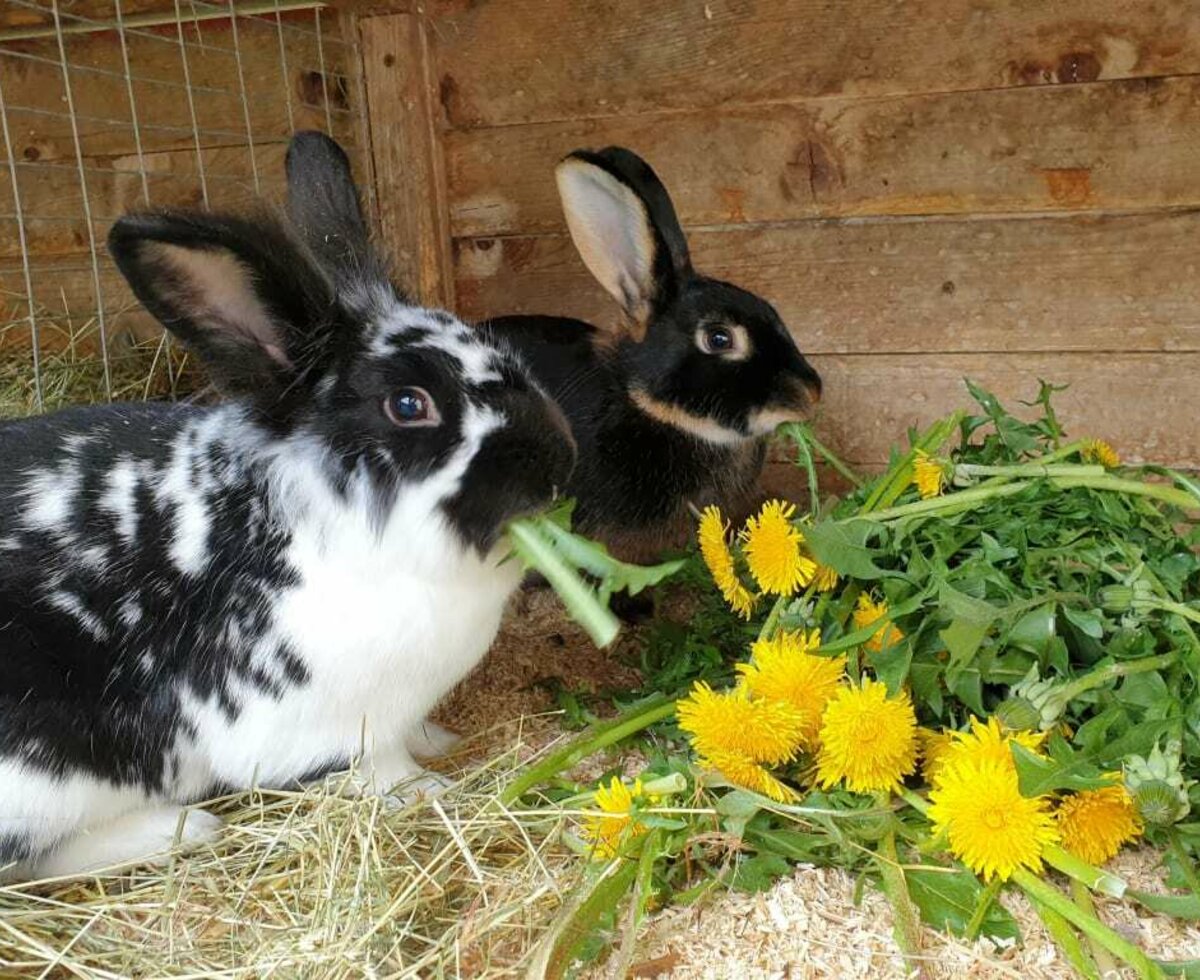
141, 837
429, 740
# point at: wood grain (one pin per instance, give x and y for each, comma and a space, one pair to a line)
1116, 145
409, 175
516, 61
1131, 400
905, 285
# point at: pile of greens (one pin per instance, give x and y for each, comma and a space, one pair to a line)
1030, 579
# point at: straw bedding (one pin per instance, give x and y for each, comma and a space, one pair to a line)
310, 884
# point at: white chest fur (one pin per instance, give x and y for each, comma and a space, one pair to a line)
384, 620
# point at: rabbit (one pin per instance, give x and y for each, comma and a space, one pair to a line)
671, 407
195, 600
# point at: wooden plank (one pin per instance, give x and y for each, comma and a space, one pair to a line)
409, 173
31, 76
521, 61
902, 285
1118, 145
1127, 399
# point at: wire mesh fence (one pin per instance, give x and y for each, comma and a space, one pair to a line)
112, 105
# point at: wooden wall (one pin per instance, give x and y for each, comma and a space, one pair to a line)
926, 189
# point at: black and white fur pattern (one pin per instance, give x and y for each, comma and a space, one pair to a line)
199, 599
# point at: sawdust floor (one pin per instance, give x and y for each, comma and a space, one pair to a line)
807, 926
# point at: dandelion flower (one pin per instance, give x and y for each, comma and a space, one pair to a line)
1095, 823
733, 722
771, 544
719, 560
935, 747
867, 739
825, 579
1099, 451
929, 475
990, 740
615, 823
749, 775
784, 669
867, 612
989, 825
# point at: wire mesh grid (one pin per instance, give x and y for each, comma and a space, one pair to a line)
111, 105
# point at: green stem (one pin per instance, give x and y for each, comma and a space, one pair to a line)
804, 448
1168, 495
589, 741
1169, 605
1097, 678
772, 620
1097, 879
981, 909
1062, 933
832, 458
962, 500
1088, 924
1032, 470
1070, 449
1083, 898
907, 924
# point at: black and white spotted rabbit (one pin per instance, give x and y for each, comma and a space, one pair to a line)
671, 405
196, 599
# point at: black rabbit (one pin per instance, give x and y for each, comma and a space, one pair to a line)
672, 406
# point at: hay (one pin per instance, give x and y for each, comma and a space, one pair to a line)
72, 370
312, 884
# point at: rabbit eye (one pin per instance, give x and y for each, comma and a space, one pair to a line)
722, 340
410, 407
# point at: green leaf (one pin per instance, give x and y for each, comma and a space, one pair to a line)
1176, 906
581, 601
759, 873
1035, 630
843, 548
1037, 775
576, 926
791, 844
963, 639
1087, 622
947, 898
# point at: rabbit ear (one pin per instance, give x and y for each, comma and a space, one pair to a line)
625, 228
249, 301
324, 206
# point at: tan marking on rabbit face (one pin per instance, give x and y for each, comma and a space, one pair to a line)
699, 426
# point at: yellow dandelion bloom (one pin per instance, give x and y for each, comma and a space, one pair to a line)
929, 475
1095, 823
615, 824
719, 559
989, 825
749, 775
733, 722
935, 747
1099, 451
784, 669
772, 546
867, 739
867, 612
990, 740
825, 579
